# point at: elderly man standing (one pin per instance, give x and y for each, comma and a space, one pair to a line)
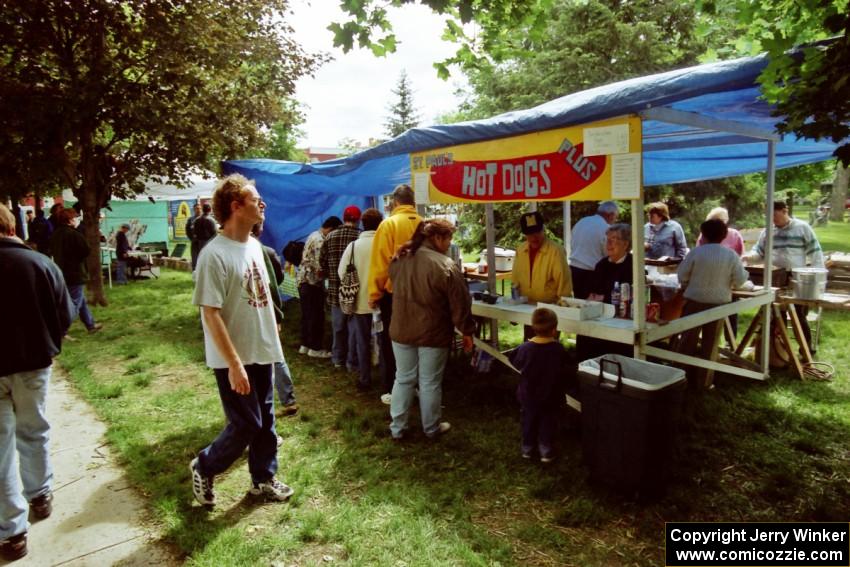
36, 320
241, 342
794, 244
391, 234
343, 351
122, 253
588, 246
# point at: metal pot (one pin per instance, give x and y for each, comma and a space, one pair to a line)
809, 283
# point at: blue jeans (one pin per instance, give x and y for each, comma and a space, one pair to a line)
250, 423
121, 271
423, 366
283, 383
360, 333
78, 296
343, 350
22, 424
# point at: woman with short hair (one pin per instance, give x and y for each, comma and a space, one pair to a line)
663, 237
430, 300
733, 241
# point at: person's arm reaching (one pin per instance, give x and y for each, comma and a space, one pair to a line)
220, 337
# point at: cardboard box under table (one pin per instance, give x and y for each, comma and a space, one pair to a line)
629, 412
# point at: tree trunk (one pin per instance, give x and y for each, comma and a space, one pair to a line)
839, 193
92, 194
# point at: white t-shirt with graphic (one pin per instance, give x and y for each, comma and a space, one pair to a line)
232, 276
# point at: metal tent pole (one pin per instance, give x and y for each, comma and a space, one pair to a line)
568, 235
638, 276
491, 267
768, 256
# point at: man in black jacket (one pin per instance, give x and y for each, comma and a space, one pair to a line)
70, 250
36, 317
190, 234
204, 229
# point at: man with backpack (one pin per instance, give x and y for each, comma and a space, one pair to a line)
332, 248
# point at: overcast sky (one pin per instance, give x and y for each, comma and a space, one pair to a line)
348, 98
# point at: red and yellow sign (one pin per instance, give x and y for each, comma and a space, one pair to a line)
542, 166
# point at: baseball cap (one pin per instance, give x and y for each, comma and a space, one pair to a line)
125, 225
351, 213
531, 223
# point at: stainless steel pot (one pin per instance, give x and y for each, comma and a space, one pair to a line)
809, 283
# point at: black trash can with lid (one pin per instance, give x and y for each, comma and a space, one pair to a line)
629, 413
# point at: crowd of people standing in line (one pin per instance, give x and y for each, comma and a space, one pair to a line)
407, 293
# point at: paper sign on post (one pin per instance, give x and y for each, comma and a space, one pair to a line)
420, 188
606, 140
625, 176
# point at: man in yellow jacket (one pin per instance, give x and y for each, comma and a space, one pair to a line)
393, 231
540, 267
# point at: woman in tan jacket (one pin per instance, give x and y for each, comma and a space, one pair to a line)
430, 299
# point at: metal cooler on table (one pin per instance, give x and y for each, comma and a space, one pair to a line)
629, 412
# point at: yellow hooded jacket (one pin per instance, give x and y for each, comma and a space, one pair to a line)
393, 231
550, 278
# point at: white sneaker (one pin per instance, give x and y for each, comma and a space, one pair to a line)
318, 353
202, 486
441, 430
303, 350
387, 398
272, 490
279, 441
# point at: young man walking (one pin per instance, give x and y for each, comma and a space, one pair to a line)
241, 343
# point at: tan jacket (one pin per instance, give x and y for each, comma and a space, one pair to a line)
430, 299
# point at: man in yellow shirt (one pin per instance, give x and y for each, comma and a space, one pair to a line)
540, 267
393, 231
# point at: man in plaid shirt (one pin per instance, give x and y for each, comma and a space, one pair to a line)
332, 249
311, 291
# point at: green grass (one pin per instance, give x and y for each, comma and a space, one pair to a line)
748, 451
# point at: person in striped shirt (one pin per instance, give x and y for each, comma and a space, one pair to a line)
794, 245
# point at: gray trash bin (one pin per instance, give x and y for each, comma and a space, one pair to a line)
629, 412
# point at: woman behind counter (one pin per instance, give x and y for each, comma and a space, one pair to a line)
430, 299
616, 267
662, 236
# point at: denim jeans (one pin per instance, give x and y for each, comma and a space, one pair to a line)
423, 366
312, 315
283, 383
343, 350
78, 296
361, 342
23, 425
250, 423
121, 271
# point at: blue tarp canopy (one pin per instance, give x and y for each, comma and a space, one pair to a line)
702, 122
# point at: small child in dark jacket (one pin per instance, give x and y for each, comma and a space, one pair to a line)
542, 362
